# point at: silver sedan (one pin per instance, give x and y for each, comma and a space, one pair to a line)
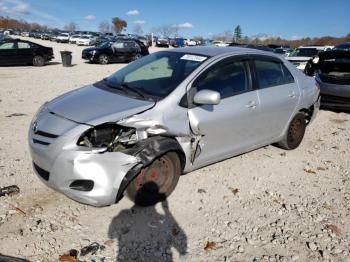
135, 132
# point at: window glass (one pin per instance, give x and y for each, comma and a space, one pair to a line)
288, 77
157, 74
23, 45
7, 45
154, 70
271, 73
130, 44
227, 78
118, 45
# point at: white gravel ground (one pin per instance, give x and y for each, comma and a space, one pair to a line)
266, 205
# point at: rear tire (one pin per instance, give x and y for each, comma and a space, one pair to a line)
155, 182
38, 60
137, 56
295, 133
103, 59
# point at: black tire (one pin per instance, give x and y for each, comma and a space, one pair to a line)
295, 133
103, 59
155, 182
38, 60
136, 56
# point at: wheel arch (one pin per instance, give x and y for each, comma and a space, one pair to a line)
308, 112
147, 151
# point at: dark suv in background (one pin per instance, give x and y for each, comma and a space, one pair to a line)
122, 50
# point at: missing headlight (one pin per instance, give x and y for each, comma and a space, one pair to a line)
108, 135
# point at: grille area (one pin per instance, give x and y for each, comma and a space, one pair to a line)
42, 133
42, 173
48, 138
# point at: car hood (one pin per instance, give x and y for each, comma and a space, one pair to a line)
93, 105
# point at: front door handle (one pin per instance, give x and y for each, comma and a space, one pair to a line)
251, 104
292, 95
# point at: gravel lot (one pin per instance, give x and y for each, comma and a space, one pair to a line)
266, 205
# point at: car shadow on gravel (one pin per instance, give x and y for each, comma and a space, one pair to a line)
144, 234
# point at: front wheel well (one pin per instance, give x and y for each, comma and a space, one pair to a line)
147, 151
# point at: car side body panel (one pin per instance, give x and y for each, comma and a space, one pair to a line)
205, 134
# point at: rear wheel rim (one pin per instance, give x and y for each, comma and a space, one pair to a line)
38, 60
103, 59
138, 56
295, 131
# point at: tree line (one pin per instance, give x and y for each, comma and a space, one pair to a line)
117, 25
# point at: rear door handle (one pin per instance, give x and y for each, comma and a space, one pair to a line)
251, 104
292, 95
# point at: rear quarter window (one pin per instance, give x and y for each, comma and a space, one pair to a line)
272, 73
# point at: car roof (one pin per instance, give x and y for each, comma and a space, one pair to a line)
318, 47
216, 50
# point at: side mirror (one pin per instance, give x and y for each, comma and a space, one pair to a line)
207, 97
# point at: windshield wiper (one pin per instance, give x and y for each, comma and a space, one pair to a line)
135, 90
126, 88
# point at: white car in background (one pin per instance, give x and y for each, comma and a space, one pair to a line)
300, 56
190, 42
63, 38
73, 39
86, 40
220, 43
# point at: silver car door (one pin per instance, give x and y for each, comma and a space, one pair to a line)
278, 94
227, 128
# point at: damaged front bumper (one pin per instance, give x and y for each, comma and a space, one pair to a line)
86, 175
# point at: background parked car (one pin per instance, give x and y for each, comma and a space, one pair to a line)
300, 56
21, 52
73, 39
220, 43
177, 42
86, 40
123, 50
62, 38
4, 37
332, 72
343, 46
162, 42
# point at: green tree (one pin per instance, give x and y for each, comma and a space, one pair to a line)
238, 33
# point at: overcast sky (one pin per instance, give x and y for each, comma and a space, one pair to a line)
289, 19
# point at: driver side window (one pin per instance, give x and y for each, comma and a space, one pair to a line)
229, 78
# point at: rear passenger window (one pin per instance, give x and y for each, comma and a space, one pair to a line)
228, 78
272, 73
23, 45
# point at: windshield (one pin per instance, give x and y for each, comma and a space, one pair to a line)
343, 47
104, 44
156, 75
84, 37
308, 52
